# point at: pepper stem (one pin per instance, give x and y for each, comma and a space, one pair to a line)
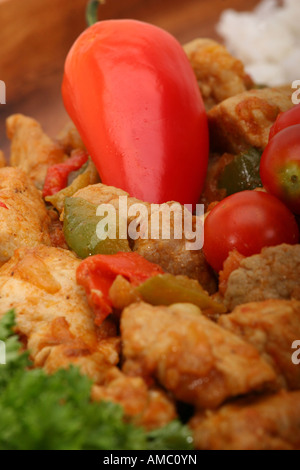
91, 13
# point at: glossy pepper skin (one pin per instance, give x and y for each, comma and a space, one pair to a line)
166, 289
280, 167
242, 173
57, 175
80, 226
97, 274
131, 92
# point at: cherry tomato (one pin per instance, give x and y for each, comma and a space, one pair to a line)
286, 119
133, 95
280, 167
247, 221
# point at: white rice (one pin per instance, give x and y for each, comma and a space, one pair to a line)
267, 40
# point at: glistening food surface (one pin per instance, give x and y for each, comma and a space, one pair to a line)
196, 346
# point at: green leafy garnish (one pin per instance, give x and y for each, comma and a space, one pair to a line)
6, 325
15, 361
55, 412
170, 437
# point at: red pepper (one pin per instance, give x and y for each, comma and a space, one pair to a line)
3, 205
57, 175
280, 166
133, 95
97, 274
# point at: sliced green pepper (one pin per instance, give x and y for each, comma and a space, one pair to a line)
166, 289
242, 173
80, 223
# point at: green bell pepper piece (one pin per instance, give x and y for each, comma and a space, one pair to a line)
242, 173
166, 289
80, 222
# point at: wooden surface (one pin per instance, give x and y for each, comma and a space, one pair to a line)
35, 36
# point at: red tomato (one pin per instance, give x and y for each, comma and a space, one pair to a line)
280, 167
284, 120
247, 221
131, 92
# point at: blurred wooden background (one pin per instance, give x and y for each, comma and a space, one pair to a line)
35, 36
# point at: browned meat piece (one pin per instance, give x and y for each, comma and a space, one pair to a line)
24, 220
31, 149
148, 408
52, 312
219, 74
273, 274
266, 423
271, 326
102, 194
192, 357
69, 138
172, 254
244, 120
56, 231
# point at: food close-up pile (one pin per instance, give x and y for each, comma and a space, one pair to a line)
143, 341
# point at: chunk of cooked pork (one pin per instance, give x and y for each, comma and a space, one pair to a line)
244, 120
191, 356
273, 274
271, 327
31, 149
219, 74
24, 220
270, 422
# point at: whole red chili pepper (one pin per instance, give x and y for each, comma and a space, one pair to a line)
131, 92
